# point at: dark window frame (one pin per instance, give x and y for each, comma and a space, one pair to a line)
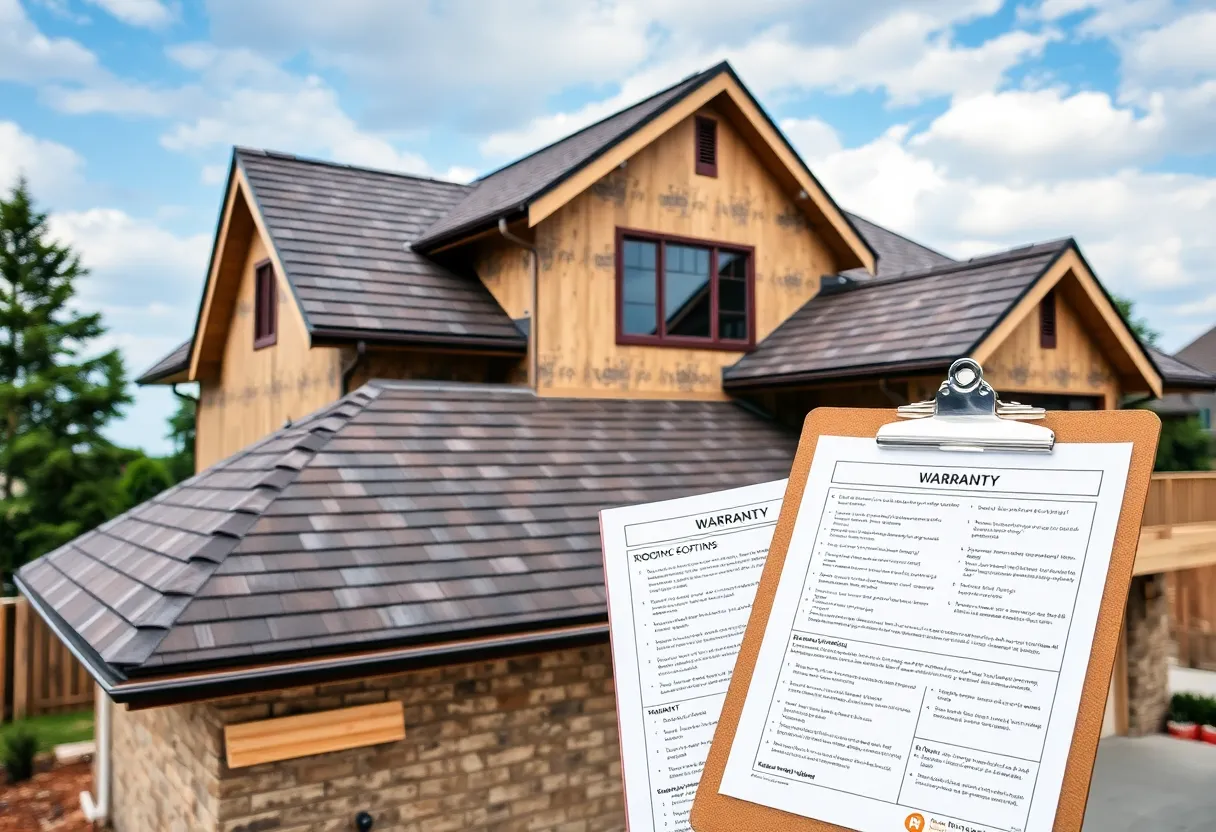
265, 305
705, 123
714, 342
1049, 321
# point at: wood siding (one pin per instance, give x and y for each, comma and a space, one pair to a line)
258, 390
1076, 366
658, 191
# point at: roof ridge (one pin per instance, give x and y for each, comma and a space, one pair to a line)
718, 67
312, 160
1009, 255
252, 508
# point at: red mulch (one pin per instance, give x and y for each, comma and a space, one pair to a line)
50, 802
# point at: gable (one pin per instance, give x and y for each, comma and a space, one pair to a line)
539, 185
1096, 316
658, 192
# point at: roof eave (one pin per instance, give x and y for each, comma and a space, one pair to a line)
860, 372
263, 673
169, 375
339, 335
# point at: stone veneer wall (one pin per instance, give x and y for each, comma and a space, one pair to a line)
527, 743
1148, 648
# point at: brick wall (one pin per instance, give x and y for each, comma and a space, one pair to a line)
164, 769
1148, 648
527, 743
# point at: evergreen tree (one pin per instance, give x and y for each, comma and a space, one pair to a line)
1140, 326
58, 474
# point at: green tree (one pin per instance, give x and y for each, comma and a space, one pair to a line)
181, 433
58, 473
1184, 445
142, 480
1140, 326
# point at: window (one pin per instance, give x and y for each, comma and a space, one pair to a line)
707, 146
265, 306
1205, 418
1047, 321
704, 292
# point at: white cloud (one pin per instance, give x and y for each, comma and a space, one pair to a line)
53, 170
908, 54
815, 139
28, 56
150, 13
459, 173
1042, 132
1180, 52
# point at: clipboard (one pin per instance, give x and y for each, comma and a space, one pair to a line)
965, 416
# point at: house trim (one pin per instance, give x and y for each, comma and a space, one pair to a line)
772, 148
679, 342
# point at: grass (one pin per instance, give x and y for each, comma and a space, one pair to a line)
55, 729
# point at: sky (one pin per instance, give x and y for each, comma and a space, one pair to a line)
972, 126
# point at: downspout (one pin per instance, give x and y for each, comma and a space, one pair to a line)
348, 372
187, 397
533, 365
98, 812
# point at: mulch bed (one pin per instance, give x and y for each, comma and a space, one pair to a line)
50, 802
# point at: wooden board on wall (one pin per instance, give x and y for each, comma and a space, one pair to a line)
285, 738
260, 389
1075, 366
659, 191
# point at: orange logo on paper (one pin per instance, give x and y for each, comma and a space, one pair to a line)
915, 822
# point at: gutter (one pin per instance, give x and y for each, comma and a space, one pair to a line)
98, 811
533, 364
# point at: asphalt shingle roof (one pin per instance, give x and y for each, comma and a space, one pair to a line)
921, 319
341, 235
1177, 373
405, 513
175, 362
896, 253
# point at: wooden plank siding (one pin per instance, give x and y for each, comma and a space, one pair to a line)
38, 674
257, 390
659, 192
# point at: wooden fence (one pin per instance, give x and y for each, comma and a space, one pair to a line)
38, 675
1188, 498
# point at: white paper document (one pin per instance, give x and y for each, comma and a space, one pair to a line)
681, 577
923, 662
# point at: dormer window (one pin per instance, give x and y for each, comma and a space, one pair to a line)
707, 146
1047, 321
265, 306
688, 293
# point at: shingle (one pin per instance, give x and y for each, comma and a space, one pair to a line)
176, 361
341, 235
475, 507
921, 319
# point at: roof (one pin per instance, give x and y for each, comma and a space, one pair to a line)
1201, 352
406, 512
897, 254
340, 234
1178, 374
177, 361
919, 320
508, 189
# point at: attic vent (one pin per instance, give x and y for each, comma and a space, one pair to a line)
707, 147
1047, 321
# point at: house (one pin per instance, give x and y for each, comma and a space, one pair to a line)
415, 396
1198, 359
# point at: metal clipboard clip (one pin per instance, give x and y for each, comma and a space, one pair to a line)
966, 415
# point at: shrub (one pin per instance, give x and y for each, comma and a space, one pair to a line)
20, 747
1192, 707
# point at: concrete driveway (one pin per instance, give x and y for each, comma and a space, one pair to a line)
1152, 784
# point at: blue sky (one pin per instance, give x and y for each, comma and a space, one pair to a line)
972, 126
